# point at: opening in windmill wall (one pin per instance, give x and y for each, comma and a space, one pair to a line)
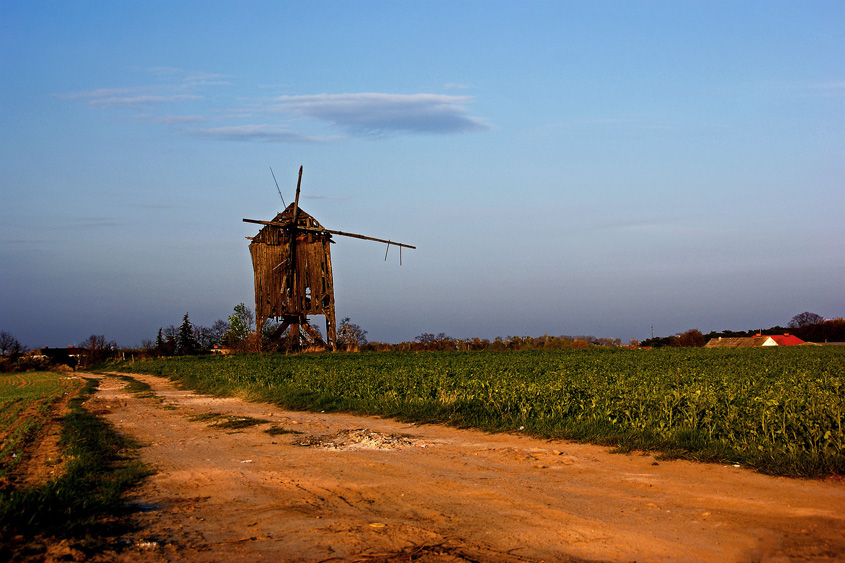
318, 322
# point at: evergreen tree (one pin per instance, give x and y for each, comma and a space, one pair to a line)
159, 342
186, 342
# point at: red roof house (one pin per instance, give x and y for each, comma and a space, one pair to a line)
785, 339
756, 341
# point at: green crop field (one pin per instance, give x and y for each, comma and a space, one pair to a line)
25, 402
778, 410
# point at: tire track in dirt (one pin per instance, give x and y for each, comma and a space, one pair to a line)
430, 493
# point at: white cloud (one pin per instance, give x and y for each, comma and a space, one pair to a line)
373, 113
355, 114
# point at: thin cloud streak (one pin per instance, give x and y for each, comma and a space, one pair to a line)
93, 223
257, 133
125, 97
177, 119
315, 196
98, 93
21, 241
190, 78
832, 88
138, 101
369, 113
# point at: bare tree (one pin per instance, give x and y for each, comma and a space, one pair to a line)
425, 338
204, 337
350, 336
166, 340
805, 319
10, 346
97, 349
219, 330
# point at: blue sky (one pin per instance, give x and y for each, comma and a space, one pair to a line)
562, 167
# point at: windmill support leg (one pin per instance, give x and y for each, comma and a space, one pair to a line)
280, 331
314, 334
330, 332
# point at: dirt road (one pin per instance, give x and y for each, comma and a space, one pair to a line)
351, 488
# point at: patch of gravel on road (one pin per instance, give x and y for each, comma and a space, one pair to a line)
357, 439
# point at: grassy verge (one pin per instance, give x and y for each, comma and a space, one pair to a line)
81, 503
779, 410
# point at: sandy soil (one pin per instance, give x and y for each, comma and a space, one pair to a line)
352, 488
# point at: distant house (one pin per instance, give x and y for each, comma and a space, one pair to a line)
69, 356
756, 341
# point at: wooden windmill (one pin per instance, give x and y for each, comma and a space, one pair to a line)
293, 272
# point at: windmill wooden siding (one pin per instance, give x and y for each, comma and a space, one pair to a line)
283, 291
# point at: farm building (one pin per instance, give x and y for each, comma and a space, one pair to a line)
756, 341
69, 355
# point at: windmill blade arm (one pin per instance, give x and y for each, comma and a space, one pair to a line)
353, 235
259, 222
278, 189
341, 233
296, 201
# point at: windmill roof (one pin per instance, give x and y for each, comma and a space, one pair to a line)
303, 216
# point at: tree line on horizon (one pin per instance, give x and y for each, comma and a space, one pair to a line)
238, 333
809, 327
